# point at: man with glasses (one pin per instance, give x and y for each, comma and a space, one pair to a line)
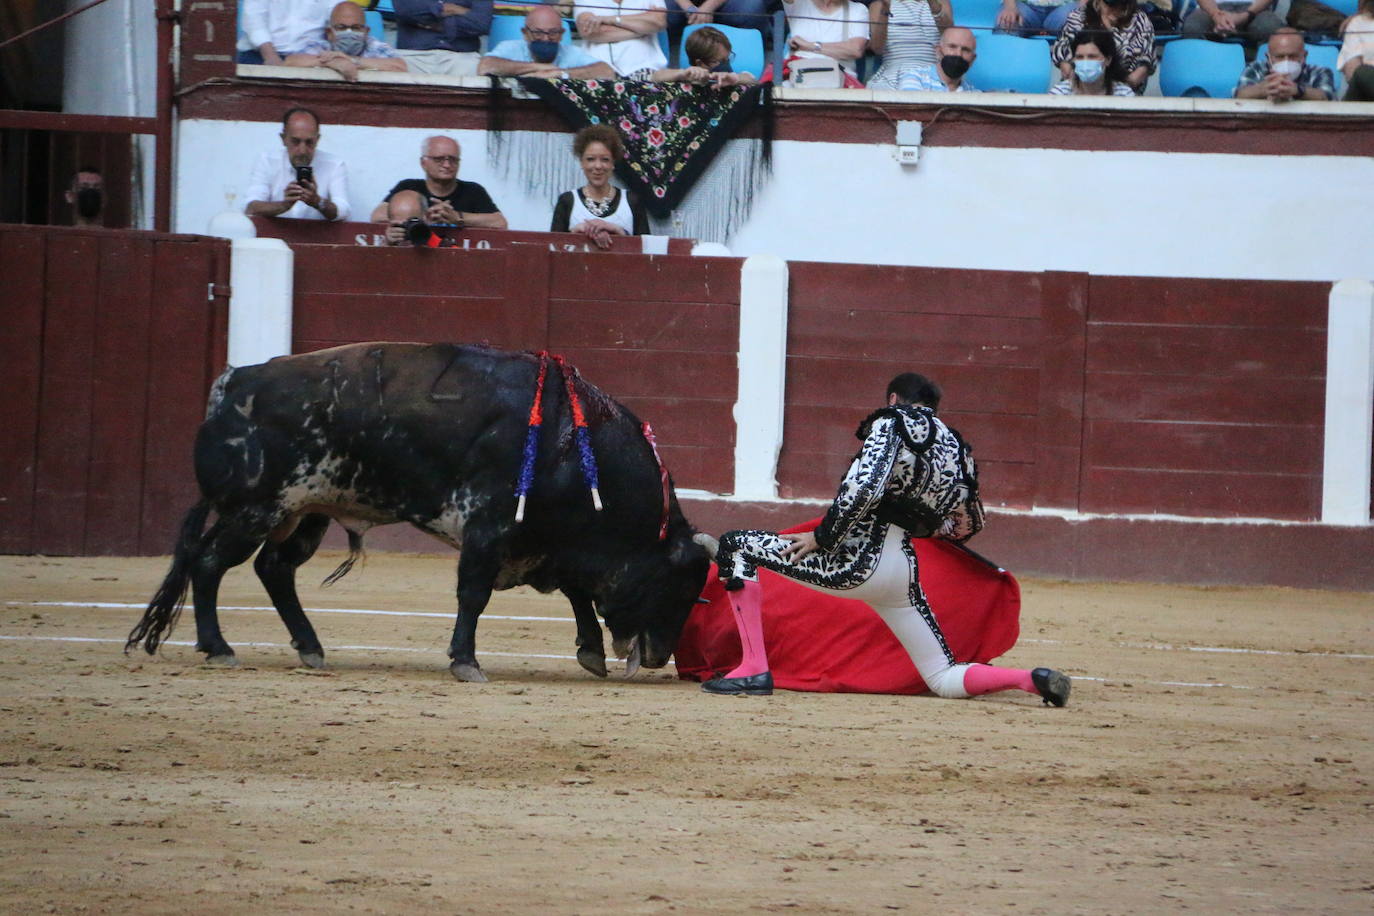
348, 46
440, 197
543, 52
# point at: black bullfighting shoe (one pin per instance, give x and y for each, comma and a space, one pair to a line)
755, 685
1053, 685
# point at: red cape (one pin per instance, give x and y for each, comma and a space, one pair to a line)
817, 642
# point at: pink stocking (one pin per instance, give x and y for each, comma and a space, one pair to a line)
748, 605
980, 679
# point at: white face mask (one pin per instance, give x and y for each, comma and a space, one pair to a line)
1288, 68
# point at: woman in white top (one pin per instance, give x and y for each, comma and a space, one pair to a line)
624, 34
837, 29
598, 209
1356, 59
1095, 70
904, 33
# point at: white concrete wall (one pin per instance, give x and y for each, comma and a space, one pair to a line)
1129, 213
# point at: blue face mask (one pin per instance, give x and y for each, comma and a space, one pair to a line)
543, 52
1088, 71
350, 43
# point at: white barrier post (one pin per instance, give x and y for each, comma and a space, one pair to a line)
261, 273
762, 376
1349, 403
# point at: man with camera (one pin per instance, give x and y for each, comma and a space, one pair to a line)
299, 181
440, 198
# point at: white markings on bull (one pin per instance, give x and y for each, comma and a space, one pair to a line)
246, 408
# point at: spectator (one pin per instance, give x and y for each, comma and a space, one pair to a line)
1251, 19
1033, 18
442, 36
627, 39
835, 29
904, 33
708, 52
1095, 70
542, 53
1132, 29
277, 186
440, 194
1285, 74
741, 14
958, 50
347, 46
278, 28
1356, 60
87, 197
598, 209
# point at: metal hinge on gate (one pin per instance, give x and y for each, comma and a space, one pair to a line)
215, 291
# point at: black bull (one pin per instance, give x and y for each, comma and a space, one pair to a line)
372, 434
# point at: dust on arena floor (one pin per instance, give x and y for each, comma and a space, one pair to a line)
1216, 757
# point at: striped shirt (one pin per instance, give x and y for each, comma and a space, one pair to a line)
912, 34
1065, 87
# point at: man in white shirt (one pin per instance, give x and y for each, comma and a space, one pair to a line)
274, 29
624, 34
299, 181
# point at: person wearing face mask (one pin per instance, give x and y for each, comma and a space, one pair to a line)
599, 210
1131, 30
87, 197
542, 53
954, 55
708, 52
904, 33
1094, 68
1285, 74
347, 47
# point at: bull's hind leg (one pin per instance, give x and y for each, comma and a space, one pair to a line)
228, 547
276, 566
591, 648
477, 570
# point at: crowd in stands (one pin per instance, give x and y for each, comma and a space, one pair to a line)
886, 44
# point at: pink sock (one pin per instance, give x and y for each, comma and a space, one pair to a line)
748, 605
981, 679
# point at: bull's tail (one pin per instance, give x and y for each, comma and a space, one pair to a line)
163, 611
355, 552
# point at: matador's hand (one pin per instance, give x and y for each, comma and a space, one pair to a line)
802, 543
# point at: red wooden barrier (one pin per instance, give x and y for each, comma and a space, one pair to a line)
113, 346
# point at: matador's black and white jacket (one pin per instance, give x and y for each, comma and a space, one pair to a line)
912, 471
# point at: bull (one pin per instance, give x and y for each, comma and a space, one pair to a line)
433, 435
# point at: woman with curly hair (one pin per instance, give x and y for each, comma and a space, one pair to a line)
598, 209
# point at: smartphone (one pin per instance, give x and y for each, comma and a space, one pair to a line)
304, 173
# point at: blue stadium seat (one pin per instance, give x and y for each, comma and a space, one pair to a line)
1007, 63
663, 43
375, 26
1345, 7
506, 28
747, 45
384, 7
1197, 67
979, 15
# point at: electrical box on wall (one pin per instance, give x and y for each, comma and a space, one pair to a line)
908, 142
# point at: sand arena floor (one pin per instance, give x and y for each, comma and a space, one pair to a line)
1216, 757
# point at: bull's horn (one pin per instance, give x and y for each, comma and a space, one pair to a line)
711, 545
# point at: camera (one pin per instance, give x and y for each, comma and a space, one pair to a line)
426, 235
305, 173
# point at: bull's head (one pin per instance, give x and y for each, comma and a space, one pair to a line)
647, 605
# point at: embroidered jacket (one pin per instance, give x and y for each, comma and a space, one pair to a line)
912, 470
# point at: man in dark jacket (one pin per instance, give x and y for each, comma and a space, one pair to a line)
442, 37
913, 477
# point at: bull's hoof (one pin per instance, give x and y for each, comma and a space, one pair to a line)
222, 661
312, 659
632, 663
593, 660
468, 673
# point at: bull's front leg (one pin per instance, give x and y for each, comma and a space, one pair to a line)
477, 569
591, 649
